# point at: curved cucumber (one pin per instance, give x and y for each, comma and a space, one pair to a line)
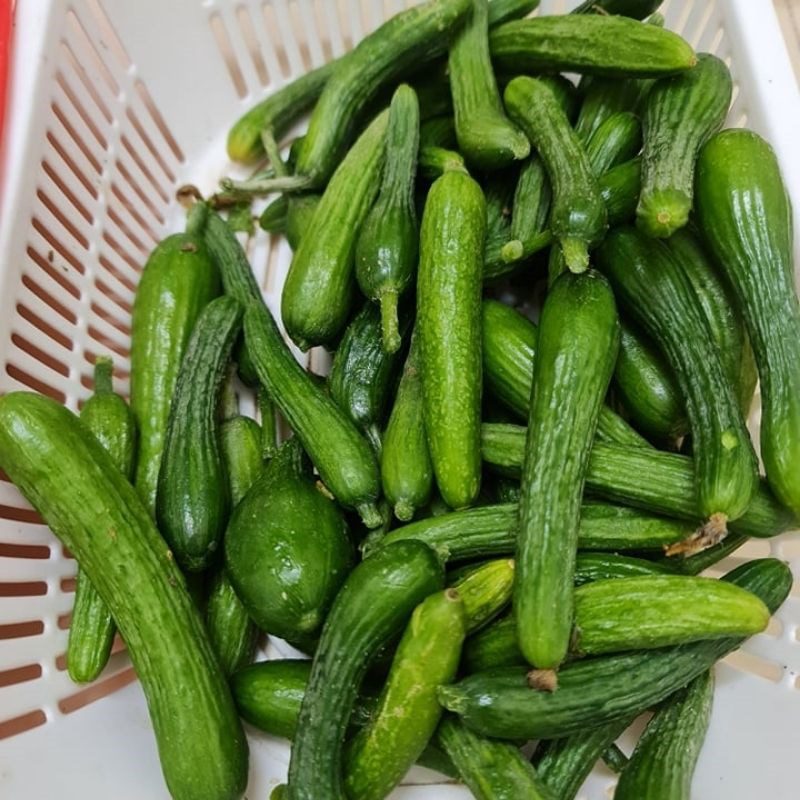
485, 591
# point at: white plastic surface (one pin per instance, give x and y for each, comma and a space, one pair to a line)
114, 105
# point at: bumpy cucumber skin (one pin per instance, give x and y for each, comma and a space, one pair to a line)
178, 281
666, 754
680, 113
616, 140
319, 286
485, 591
387, 246
643, 477
448, 326
407, 40
500, 702
619, 188
577, 213
590, 45
342, 455
406, 469
98, 515
603, 98
725, 462
193, 497
400, 576
737, 173
486, 136
408, 711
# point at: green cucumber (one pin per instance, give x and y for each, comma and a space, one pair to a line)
602, 98
501, 11
486, 136
277, 113
493, 647
302, 208
694, 565
337, 449
273, 217
408, 712
651, 284
590, 567
577, 213
438, 132
509, 350
287, 549
269, 425
318, 291
448, 326
435, 161
680, 113
492, 531
386, 249
745, 215
230, 629
406, 470
407, 40
363, 372
500, 703
91, 631
663, 762
485, 591
373, 605
193, 498
589, 44
578, 342
647, 388
178, 281
643, 477
65, 473
491, 770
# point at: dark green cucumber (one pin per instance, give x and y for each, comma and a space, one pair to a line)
438, 132
269, 425
724, 322
193, 498
577, 212
91, 631
492, 531
491, 770
486, 136
318, 291
590, 567
337, 449
435, 161
273, 217
363, 372
663, 762
178, 281
302, 208
680, 113
651, 284
287, 549
406, 470
230, 629
448, 326
604, 97
636, 9
643, 477
408, 711
277, 113
372, 606
500, 703
647, 388
501, 11
589, 44
407, 40
387, 245
564, 764
578, 342
485, 591
89, 504
694, 565
745, 215
493, 647
509, 350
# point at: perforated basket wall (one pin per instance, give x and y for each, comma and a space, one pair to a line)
115, 105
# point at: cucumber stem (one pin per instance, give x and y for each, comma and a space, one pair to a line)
576, 254
103, 375
256, 185
512, 251
391, 332
543, 680
712, 532
370, 514
196, 218
273, 153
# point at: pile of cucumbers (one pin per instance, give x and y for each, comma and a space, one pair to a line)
482, 531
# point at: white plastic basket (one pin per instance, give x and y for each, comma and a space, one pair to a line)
114, 105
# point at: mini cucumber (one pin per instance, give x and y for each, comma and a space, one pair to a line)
485, 591
486, 136
91, 631
663, 762
387, 245
406, 470
273, 217
680, 113
302, 208
577, 213
448, 326
407, 711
